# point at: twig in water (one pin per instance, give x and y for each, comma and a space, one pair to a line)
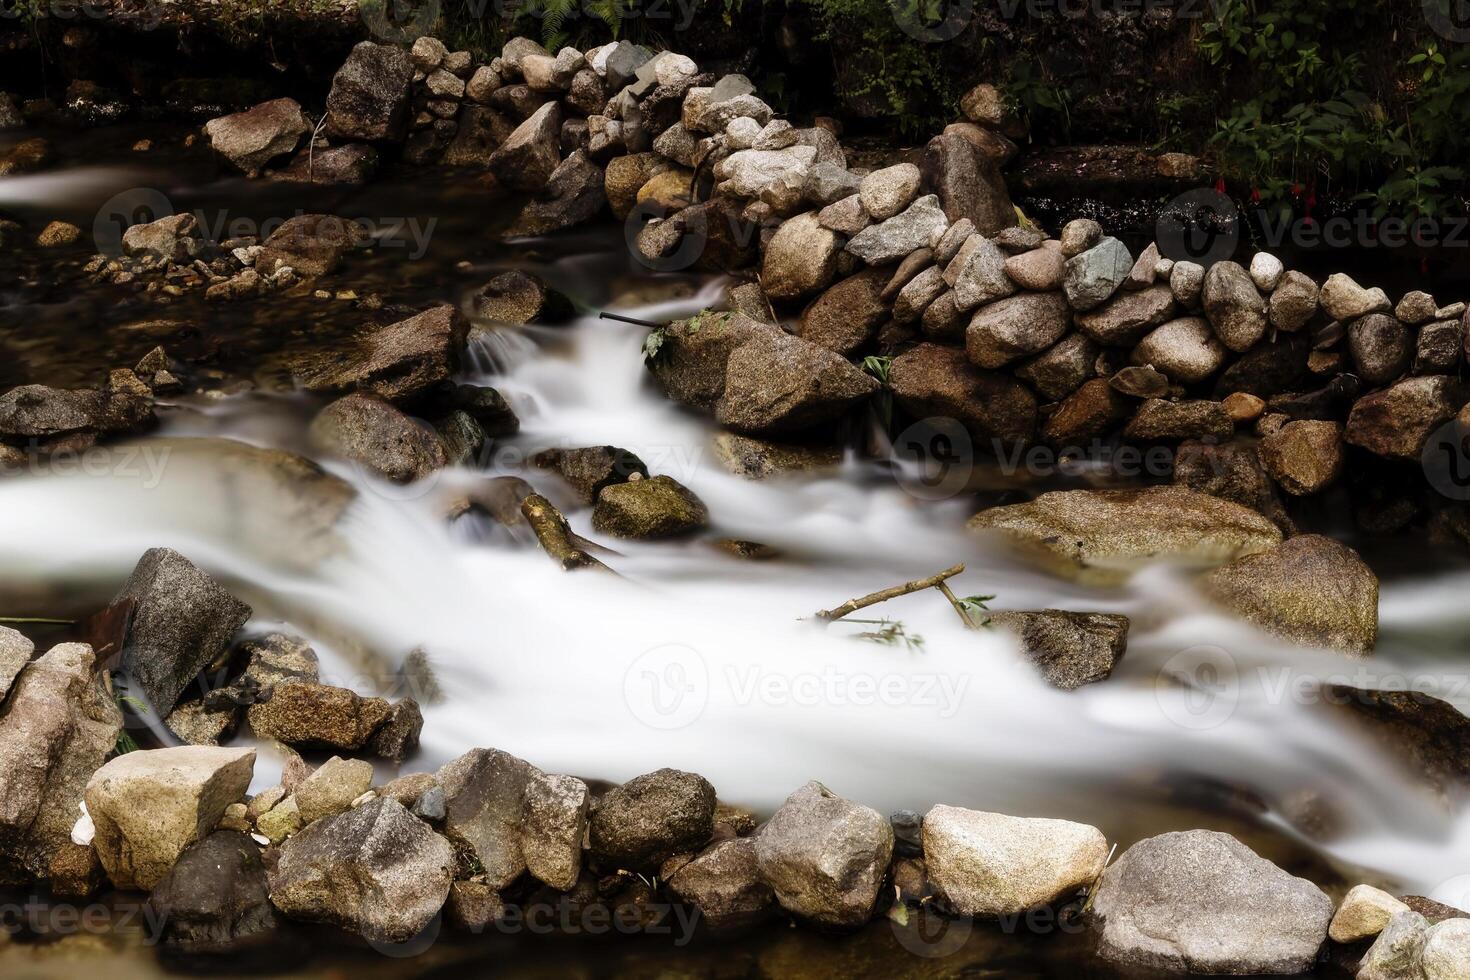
604, 315
917, 585
1092, 888
555, 535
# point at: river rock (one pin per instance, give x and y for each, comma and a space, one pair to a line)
694, 355
1184, 349
310, 244
215, 898
15, 652
1158, 420
484, 805
967, 182
518, 298
1128, 317
1068, 648
1293, 302
1398, 951
331, 789
645, 821
530, 155
572, 194
174, 238
367, 430
1094, 275
376, 870
659, 507
888, 241
932, 381
182, 621
921, 291
1234, 308
1103, 535
1014, 327
395, 362
553, 825
148, 806
1304, 456
777, 383
1446, 953
846, 216
1344, 300
825, 857
398, 736
942, 320
884, 193
1079, 235
1061, 369
1396, 422
1439, 347
800, 259
370, 92
978, 273
38, 412
1309, 589
590, 469
724, 884
1202, 902
1092, 410
1364, 913
56, 727
759, 459
990, 864
253, 138
1040, 269
1380, 347
318, 716
1231, 471
846, 317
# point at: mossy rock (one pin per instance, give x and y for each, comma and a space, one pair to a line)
648, 509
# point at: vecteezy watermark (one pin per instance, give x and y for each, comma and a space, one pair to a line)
146, 14
1450, 19
1446, 460
925, 931
670, 686
932, 21
35, 915
142, 462
1200, 226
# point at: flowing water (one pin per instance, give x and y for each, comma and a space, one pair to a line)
694, 658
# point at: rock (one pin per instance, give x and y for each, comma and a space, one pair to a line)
369, 431
782, 384
828, 183
724, 884
171, 239
1139, 382
310, 244
1242, 407
1185, 349
1309, 589
1187, 282
1380, 347
530, 155
1069, 649
1061, 369
10, 117
56, 727
990, 864
1293, 302
1103, 535
648, 509
1396, 423
977, 273
280, 821
1304, 456
1233, 472
1094, 275
1233, 306
645, 821
888, 241
1363, 914
318, 716
1416, 307
215, 897
758, 459
427, 53
518, 298
846, 216
1092, 410
182, 621
695, 353
396, 362
25, 157
517, 49
915, 263
15, 653
573, 194
884, 193
825, 857
1079, 235
554, 823
1127, 318
968, 183
332, 788
1040, 269
1344, 300
197, 724
148, 806
921, 291
1159, 420
846, 317
1015, 327
933, 381
591, 469
1439, 347
253, 138
484, 805
800, 259
1202, 902
1397, 952
58, 234
376, 870
1446, 953
370, 92
1266, 271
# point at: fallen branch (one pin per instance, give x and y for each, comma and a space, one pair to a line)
917, 585
555, 535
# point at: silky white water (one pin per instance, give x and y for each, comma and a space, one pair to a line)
696, 659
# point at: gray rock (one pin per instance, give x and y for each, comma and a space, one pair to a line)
891, 240
1266, 271
1446, 953
781, 384
800, 259
376, 870
1202, 902
1015, 327
977, 273
531, 154
649, 509
484, 804
886, 192
828, 183
1079, 235
369, 431
914, 298
1068, 648
215, 900
778, 177
399, 361
1293, 302
553, 826
825, 857
398, 736
1145, 269
1185, 349
1124, 320
695, 354
1234, 307
1440, 347
15, 653
1416, 307
846, 217
968, 183
1062, 368
253, 138
1380, 347
724, 884
1186, 282
931, 381
174, 238
1093, 276
1398, 951
645, 821
37, 412
369, 96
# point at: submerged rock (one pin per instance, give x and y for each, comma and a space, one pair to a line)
645, 821
1068, 648
309, 244
758, 459
659, 507
1203, 902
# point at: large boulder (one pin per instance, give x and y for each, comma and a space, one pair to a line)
825, 857
148, 806
1234, 307
648, 819
369, 96
37, 413
531, 154
369, 431
253, 138
1068, 648
182, 621
694, 353
1397, 422
215, 897
990, 864
1014, 327
914, 228
1102, 536
376, 870
56, 728
932, 381
967, 182
646, 509
800, 259
1309, 589
846, 317
725, 885
397, 361
777, 384
1203, 902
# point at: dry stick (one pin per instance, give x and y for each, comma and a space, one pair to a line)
555, 535
762, 284
883, 595
959, 607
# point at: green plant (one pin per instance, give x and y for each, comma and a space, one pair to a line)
890, 632
976, 606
